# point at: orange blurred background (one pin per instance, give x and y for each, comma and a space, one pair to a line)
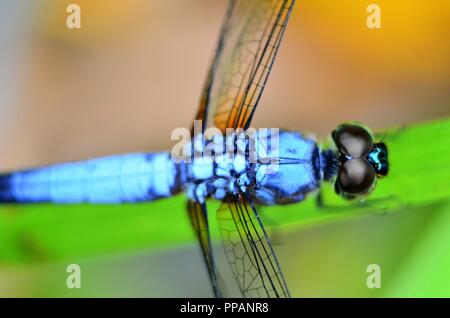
135, 69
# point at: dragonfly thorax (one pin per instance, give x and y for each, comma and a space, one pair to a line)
301, 168
278, 167
219, 167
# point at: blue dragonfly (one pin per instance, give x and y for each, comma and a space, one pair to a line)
250, 38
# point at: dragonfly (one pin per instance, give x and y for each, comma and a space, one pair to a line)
250, 38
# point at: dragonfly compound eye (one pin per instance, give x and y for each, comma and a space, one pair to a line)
356, 177
352, 140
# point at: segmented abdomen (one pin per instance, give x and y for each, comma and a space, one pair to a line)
114, 179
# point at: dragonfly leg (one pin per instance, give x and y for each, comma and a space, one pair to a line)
321, 204
374, 202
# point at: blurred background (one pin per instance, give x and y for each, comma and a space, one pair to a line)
134, 72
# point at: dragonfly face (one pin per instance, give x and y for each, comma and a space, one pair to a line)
361, 161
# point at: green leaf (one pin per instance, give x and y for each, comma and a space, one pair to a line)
425, 272
419, 159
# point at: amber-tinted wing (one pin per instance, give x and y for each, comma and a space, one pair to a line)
199, 220
249, 41
249, 250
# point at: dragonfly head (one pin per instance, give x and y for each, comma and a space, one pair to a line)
361, 161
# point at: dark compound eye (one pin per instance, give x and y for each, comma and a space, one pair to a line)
352, 140
356, 177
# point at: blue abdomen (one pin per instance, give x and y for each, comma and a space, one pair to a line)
122, 178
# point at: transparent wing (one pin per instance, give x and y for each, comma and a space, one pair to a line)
199, 220
249, 40
249, 250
